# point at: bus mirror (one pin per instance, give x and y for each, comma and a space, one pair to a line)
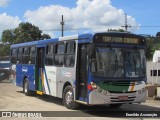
90, 50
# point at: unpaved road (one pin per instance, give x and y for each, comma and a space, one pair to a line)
13, 99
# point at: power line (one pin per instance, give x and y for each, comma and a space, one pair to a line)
95, 28
148, 26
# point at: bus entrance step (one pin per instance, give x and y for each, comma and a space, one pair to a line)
39, 92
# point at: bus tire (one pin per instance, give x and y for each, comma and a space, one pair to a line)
26, 90
68, 98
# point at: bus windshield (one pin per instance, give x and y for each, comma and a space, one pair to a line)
118, 62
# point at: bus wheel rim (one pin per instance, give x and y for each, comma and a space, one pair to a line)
25, 88
69, 97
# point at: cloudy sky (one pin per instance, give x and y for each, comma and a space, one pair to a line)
81, 15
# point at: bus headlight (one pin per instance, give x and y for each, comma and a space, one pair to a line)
142, 90
139, 91
93, 85
104, 92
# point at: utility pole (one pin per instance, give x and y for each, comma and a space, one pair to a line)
126, 26
62, 23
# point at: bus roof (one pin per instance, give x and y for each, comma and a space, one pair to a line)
72, 37
85, 36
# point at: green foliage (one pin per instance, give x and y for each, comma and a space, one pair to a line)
45, 36
150, 52
153, 44
8, 36
25, 32
4, 50
158, 34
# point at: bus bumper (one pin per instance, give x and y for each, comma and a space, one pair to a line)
96, 98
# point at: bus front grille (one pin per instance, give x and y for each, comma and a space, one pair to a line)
116, 99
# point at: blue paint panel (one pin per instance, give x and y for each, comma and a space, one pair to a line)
87, 35
85, 38
84, 41
19, 76
25, 71
40, 42
82, 99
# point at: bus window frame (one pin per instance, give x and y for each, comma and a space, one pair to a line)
57, 53
50, 54
32, 56
20, 61
14, 56
69, 53
26, 55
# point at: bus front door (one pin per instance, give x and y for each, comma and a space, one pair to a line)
82, 73
39, 70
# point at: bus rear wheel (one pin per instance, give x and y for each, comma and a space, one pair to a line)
68, 98
26, 90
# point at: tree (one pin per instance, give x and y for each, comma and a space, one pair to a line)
150, 52
4, 50
25, 32
8, 36
158, 34
45, 36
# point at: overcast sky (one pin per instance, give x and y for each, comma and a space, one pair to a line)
81, 15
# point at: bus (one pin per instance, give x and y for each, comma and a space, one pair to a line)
93, 68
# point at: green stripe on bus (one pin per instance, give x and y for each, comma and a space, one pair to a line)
114, 88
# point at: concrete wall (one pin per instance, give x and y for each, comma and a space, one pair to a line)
152, 79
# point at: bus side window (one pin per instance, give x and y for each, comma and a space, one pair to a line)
26, 55
50, 54
70, 54
32, 55
59, 54
14, 56
20, 53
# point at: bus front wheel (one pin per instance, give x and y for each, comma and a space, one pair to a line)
26, 90
68, 98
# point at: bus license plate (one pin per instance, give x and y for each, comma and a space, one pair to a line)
123, 97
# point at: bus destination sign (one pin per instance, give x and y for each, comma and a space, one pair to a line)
107, 39
119, 39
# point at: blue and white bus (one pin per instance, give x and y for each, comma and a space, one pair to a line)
91, 69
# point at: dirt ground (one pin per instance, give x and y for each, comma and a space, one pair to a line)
13, 99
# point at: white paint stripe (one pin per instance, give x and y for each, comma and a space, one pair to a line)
4, 61
68, 37
45, 84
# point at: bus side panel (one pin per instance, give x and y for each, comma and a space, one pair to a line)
31, 76
27, 71
13, 73
53, 84
50, 81
66, 74
19, 75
